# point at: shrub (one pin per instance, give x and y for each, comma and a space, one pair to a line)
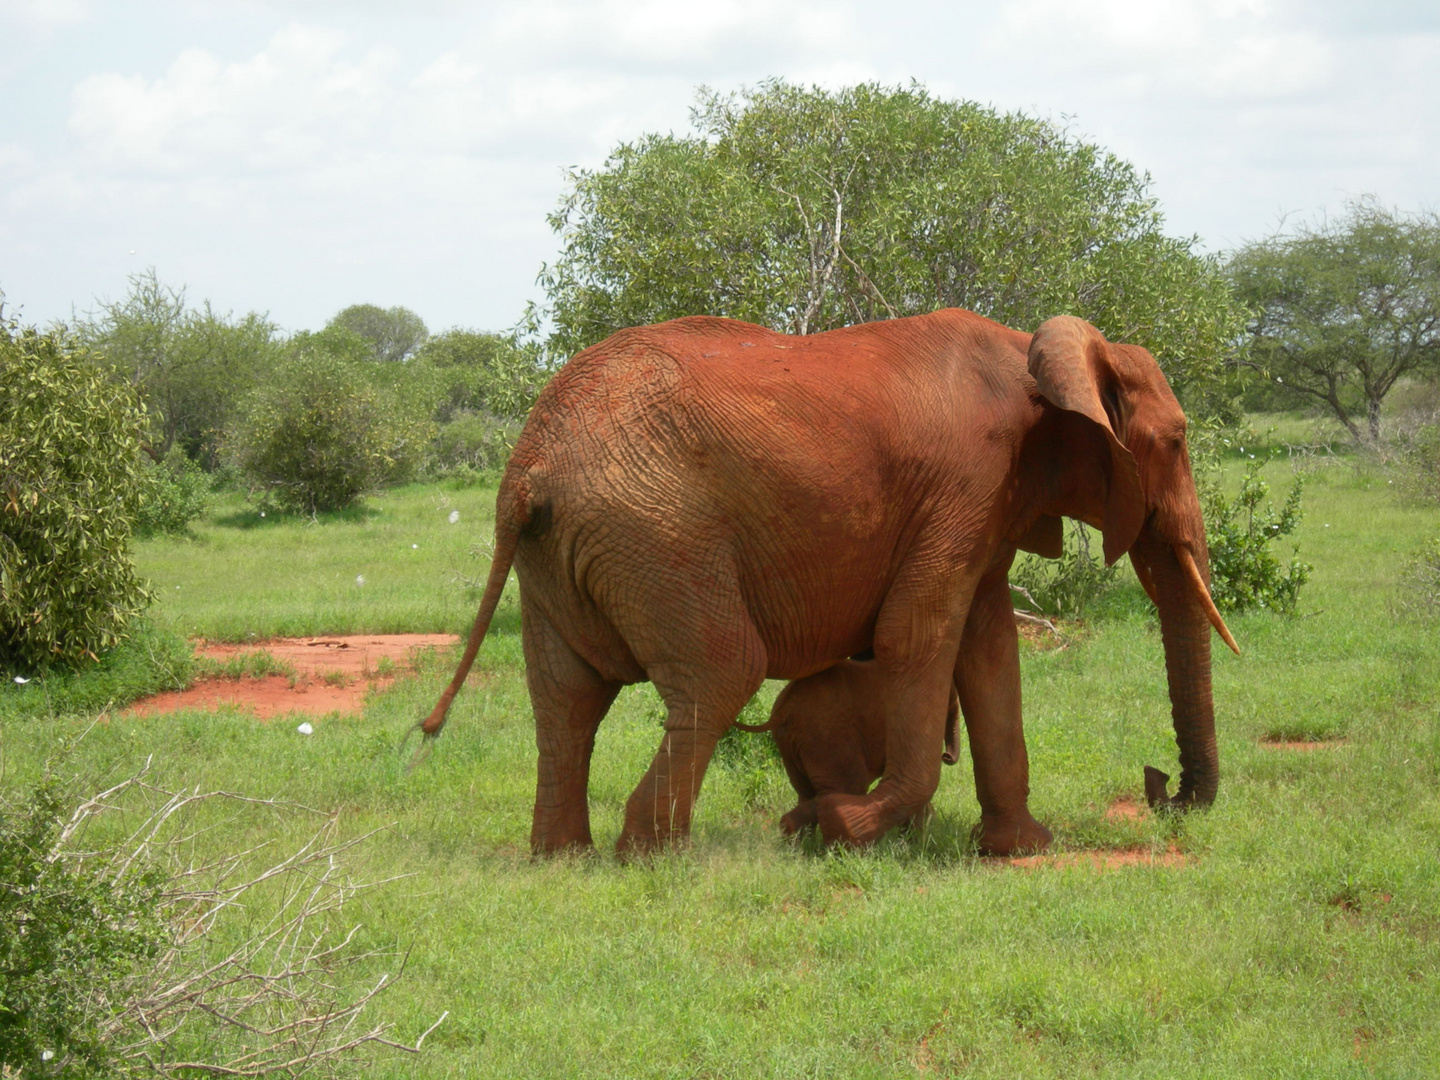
473, 441
1245, 572
69, 940
71, 481
322, 434
177, 492
1420, 581
497, 374
1069, 586
1418, 454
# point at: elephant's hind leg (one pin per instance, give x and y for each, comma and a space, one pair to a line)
704, 687
570, 699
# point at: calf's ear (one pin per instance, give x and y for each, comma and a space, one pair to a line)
1074, 370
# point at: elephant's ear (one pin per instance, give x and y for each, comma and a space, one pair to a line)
1074, 370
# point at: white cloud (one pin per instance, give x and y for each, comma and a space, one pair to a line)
290, 104
45, 14
661, 34
1225, 50
411, 157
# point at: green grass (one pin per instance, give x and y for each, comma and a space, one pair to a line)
394, 565
1301, 940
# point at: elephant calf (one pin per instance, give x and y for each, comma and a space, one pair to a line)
830, 728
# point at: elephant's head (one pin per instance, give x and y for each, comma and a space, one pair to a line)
1142, 498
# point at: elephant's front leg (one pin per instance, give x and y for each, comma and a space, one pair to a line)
987, 679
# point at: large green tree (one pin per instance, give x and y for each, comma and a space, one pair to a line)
192, 366
807, 209
1344, 309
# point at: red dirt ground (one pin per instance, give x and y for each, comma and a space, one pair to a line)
1126, 809
1304, 746
1111, 859
332, 674
1122, 809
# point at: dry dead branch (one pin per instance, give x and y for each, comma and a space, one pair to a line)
260, 974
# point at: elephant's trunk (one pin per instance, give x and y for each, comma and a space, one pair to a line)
1185, 623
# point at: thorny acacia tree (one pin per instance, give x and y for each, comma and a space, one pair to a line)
1346, 308
806, 209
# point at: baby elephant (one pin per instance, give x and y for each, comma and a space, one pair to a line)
830, 728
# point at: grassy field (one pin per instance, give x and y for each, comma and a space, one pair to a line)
1301, 938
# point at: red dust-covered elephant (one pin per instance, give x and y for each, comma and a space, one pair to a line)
706, 503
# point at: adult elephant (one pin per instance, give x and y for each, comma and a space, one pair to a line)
706, 503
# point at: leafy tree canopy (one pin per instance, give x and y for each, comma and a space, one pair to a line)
1344, 309
393, 333
807, 209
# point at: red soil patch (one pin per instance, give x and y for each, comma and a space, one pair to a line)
1105, 859
1304, 746
1126, 809
332, 674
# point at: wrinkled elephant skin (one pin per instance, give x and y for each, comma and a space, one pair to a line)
706, 503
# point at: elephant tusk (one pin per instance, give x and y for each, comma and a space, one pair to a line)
1187, 563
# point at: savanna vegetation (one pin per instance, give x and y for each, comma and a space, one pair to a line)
234, 481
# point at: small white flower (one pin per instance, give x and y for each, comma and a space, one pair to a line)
359, 579
415, 546
305, 728
262, 513
454, 516
1327, 524
177, 587
20, 680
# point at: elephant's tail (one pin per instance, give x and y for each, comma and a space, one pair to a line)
768, 725
507, 534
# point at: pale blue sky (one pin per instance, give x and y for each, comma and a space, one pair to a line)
298, 157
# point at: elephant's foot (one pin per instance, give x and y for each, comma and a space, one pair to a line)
554, 832
852, 820
1011, 834
801, 818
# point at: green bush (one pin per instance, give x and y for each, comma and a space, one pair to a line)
473, 441
1067, 587
327, 430
1245, 572
69, 940
72, 479
1420, 581
1419, 460
177, 492
496, 374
